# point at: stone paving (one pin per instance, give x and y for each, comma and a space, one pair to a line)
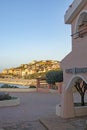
49, 123
25, 116
38, 112
27, 125
57, 123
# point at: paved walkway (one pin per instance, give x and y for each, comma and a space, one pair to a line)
37, 112
48, 123
26, 116
56, 123
23, 125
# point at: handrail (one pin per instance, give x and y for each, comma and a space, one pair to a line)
80, 34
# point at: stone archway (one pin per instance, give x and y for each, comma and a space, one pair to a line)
67, 102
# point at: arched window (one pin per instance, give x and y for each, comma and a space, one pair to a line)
81, 26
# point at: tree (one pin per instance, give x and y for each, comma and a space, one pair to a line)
81, 87
54, 76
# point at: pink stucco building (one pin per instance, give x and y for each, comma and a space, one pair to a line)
74, 65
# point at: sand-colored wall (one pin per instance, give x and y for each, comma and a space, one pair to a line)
77, 58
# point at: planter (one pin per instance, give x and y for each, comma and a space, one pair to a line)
12, 102
80, 110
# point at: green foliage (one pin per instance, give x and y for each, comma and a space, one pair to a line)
8, 86
32, 86
54, 76
4, 96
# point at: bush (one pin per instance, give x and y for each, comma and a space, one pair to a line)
8, 86
54, 76
4, 96
32, 86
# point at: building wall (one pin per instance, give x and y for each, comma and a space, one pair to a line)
77, 58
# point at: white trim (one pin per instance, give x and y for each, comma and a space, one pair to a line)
72, 80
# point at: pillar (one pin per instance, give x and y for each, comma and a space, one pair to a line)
67, 104
38, 84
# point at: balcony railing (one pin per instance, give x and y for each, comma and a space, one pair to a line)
80, 33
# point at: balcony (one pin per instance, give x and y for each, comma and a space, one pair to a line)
73, 10
82, 31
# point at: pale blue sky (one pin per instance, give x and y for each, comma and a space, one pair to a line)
33, 30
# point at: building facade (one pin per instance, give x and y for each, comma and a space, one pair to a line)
74, 65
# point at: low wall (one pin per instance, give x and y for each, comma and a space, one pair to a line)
16, 81
81, 111
18, 90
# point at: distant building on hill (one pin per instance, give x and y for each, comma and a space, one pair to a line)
34, 67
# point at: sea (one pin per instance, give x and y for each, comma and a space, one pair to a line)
19, 86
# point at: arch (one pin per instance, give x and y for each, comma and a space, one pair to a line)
73, 80
81, 25
79, 19
68, 110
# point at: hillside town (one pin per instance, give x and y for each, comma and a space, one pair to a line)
27, 74
31, 70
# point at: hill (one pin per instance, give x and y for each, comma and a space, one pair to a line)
31, 70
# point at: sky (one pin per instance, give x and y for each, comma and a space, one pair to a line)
33, 30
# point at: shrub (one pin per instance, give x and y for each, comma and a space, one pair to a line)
8, 86
4, 96
32, 86
54, 76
